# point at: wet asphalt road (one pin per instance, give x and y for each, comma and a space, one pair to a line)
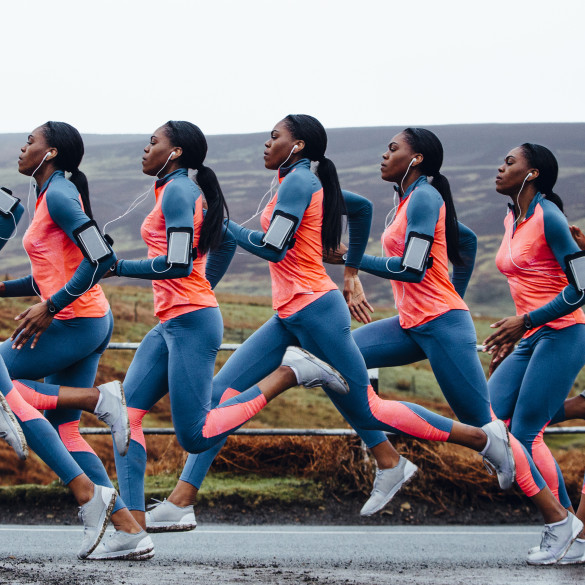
222, 554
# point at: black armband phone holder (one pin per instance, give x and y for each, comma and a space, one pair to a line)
416, 253
93, 245
279, 235
575, 269
180, 248
8, 202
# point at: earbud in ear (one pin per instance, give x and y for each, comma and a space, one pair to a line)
413, 160
295, 147
528, 176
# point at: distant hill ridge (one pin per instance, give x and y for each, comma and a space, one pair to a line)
472, 155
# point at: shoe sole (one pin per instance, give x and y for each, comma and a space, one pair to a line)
126, 420
325, 366
105, 521
154, 529
137, 555
565, 561
19, 433
392, 493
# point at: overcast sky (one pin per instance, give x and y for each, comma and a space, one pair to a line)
234, 66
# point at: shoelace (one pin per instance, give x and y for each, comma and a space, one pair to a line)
378, 476
80, 516
547, 535
490, 467
156, 503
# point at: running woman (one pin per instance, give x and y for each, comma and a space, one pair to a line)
189, 249
22, 420
537, 255
303, 219
62, 338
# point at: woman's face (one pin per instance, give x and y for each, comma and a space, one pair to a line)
33, 152
279, 147
157, 153
396, 159
512, 173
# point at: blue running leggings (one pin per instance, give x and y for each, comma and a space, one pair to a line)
530, 386
40, 435
317, 327
67, 354
178, 357
323, 328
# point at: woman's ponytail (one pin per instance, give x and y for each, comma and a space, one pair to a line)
333, 205
311, 132
80, 181
70, 150
212, 229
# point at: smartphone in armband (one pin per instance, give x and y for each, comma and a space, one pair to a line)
92, 243
180, 246
280, 231
576, 269
8, 202
417, 252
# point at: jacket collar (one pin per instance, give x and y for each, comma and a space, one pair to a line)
178, 173
48, 181
284, 171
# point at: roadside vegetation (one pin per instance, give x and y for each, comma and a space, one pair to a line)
288, 471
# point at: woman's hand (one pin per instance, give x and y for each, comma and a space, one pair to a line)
578, 236
335, 257
499, 354
355, 297
35, 320
510, 330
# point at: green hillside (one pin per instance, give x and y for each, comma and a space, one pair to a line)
472, 154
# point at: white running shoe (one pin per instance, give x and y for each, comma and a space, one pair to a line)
167, 517
310, 371
499, 453
120, 545
10, 430
95, 516
387, 484
556, 541
111, 409
576, 553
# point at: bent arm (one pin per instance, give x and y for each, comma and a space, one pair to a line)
359, 220
178, 209
218, 261
422, 216
68, 214
558, 237
294, 196
467, 250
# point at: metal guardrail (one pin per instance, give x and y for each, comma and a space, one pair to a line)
373, 373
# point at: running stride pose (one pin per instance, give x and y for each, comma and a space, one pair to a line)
302, 220
18, 420
541, 259
62, 338
178, 355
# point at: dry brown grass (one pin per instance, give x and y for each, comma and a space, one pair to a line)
448, 474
